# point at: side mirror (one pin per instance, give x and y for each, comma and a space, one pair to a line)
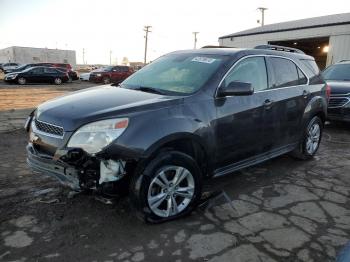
236, 89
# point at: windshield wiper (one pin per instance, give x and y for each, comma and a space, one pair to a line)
149, 90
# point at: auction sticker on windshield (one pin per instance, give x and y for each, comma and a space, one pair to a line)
201, 59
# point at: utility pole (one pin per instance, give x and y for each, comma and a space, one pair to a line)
110, 57
83, 56
195, 39
147, 30
262, 10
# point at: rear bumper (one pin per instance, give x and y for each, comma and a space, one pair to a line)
66, 174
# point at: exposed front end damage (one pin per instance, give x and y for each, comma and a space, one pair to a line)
77, 169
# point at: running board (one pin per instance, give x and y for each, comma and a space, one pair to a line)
253, 160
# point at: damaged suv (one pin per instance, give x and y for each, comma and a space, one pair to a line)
185, 118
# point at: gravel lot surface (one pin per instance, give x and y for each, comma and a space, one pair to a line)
285, 210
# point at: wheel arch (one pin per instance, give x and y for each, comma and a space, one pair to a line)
317, 106
187, 143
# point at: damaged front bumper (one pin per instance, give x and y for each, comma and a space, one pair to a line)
76, 168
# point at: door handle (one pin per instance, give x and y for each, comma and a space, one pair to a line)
268, 103
306, 93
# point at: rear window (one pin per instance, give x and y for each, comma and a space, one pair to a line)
285, 72
311, 66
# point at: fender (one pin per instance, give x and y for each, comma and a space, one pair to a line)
150, 133
317, 105
173, 138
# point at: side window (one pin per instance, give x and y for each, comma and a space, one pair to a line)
286, 73
50, 71
302, 77
250, 70
37, 71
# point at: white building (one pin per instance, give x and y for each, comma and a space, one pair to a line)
26, 55
327, 38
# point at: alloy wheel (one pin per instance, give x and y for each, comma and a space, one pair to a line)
170, 191
58, 81
313, 138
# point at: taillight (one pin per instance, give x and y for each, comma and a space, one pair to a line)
328, 91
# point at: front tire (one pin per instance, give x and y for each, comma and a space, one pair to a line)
311, 140
22, 81
169, 187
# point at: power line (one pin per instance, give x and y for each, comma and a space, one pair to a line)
262, 10
195, 39
147, 30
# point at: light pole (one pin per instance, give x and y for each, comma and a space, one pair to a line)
195, 39
262, 10
147, 30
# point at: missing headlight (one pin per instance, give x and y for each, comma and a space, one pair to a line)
111, 170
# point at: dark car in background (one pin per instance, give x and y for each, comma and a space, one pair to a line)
111, 74
19, 68
185, 118
73, 75
38, 74
67, 68
6, 66
337, 77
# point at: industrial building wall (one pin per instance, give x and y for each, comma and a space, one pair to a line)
339, 48
6, 55
339, 37
25, 55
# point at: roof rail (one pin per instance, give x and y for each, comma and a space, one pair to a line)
279, 48
216, 46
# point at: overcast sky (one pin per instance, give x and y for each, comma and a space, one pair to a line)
103, 25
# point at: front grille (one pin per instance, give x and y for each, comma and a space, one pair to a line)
49, 128
338, 101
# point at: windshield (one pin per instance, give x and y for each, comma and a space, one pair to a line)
337, 72
176, 73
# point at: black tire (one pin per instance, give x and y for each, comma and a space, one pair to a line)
106, 80
141, 182
21, 81
302, 152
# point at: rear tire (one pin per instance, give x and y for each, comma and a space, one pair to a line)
57, 81
106, 80
22, 81
169, 187
310, 142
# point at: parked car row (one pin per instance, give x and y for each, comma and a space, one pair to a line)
39, 73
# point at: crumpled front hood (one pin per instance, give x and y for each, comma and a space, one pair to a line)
339, 87
74, 110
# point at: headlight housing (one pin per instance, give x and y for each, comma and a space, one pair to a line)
98, 75
12, 76
95, 136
